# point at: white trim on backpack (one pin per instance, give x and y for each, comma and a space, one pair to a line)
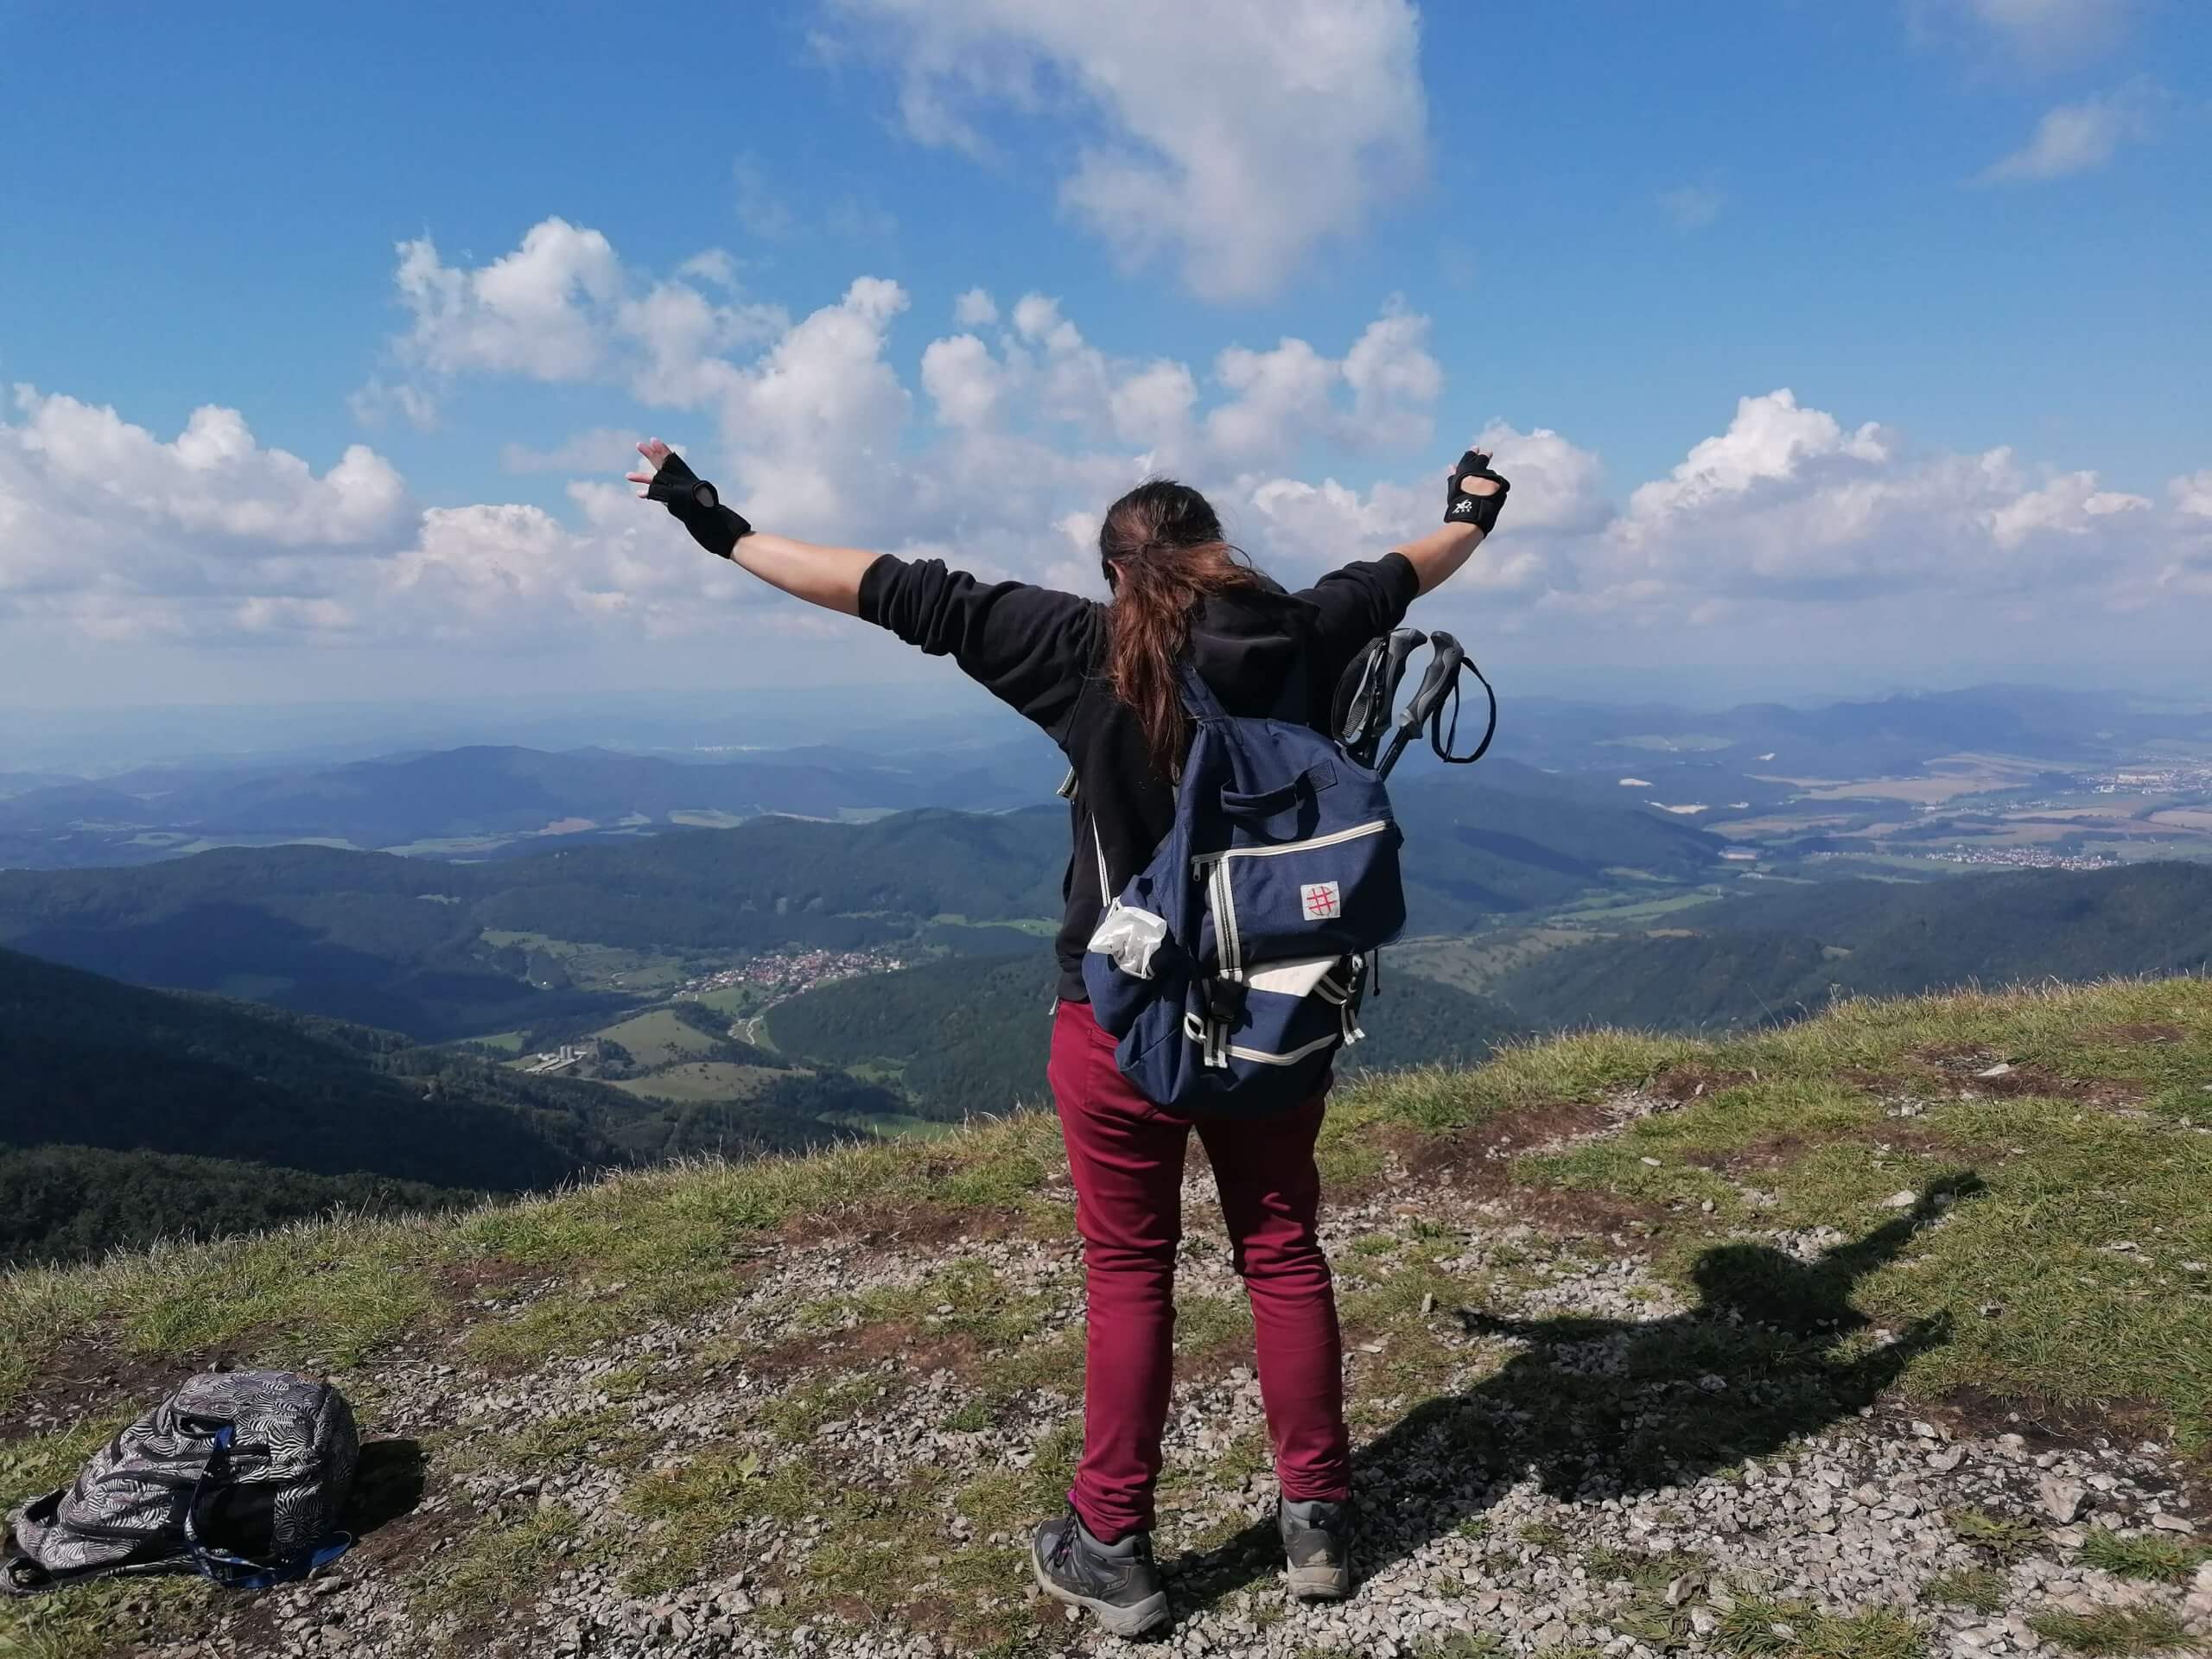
1358, 831
1198, 1030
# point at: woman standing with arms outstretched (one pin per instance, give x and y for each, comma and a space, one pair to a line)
1102, 681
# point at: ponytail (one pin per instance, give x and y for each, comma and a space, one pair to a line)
1164, 554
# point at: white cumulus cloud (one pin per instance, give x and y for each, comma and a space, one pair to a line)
1232, 137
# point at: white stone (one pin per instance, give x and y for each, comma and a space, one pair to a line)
2061, 1499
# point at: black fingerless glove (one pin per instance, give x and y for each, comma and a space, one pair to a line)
694, 502
1480, 510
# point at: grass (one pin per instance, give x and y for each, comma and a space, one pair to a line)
1792, 1630
1978, 1587
658, 1038
2114, 1630
2150, 1555
484, 1574
1643, 1570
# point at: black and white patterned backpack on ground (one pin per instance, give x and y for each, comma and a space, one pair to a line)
239, 1476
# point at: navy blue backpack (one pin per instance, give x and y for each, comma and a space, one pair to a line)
1231, 969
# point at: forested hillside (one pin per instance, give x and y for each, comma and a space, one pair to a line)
1771, 960
402, 943
93, 1063
398, 943
129, 1114
971, 1036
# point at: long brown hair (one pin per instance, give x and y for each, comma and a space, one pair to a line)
1164, 553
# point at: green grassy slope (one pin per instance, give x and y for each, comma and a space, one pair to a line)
1843, 1213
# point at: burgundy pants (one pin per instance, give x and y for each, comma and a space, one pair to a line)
1126, 1155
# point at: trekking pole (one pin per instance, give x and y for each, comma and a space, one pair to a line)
1440, 738
1369, 686
1427, 709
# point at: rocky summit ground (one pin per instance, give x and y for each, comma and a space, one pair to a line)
1886, 1335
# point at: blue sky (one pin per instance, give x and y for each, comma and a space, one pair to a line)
1968, 237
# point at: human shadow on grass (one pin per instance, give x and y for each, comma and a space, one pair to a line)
1596, 1408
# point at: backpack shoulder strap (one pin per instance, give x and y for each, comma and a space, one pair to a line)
236, 1572
21, 1575
1198, 696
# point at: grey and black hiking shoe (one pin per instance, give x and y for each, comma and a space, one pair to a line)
1317, 1539
1116, 1581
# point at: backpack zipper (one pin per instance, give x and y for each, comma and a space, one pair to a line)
1357, 832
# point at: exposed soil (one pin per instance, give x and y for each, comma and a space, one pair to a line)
95, 1376
1963, 1065
1693, 1080
2049, 1426
1477, 1163
919, 1349
1480, 1160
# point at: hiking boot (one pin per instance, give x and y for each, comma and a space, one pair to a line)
1317, 1539
1117, 1582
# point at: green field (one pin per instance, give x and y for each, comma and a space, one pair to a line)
658, 1038
607, 967
703, 1080
734, 1002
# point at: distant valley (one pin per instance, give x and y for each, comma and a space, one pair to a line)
590, 959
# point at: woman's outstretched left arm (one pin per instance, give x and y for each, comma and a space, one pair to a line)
828, 576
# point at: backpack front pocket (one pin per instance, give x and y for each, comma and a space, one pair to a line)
1336, 894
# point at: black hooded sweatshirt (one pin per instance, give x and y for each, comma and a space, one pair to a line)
1262, 650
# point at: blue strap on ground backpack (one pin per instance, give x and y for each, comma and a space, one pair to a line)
1231, 968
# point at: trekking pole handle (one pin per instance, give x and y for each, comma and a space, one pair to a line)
1364, 696
1439, 739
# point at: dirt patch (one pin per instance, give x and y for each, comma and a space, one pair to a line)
88, 1376
1480, 1159
1574, 1211
1476, 1163
2032, 1081
1768, 1151
1965, 1065
1681, 1084
2048, 1424
916, 1347
483, 1277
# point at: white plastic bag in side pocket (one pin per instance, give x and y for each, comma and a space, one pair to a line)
1131, 938
1300, 976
